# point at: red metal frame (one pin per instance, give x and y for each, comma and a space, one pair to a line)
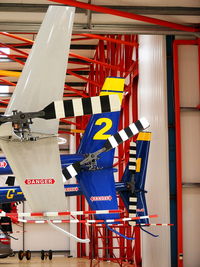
124, 14
115, 54
104, 38
178, 143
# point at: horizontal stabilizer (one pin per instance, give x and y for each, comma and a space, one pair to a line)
99, 189
143, 144
37, 169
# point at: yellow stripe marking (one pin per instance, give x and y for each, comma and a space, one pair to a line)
115, 84
10, 73
144, 136
138, 164
77, 131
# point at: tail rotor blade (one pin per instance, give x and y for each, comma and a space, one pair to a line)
132, 169
125, 134
82, 106
112, 142
72, 170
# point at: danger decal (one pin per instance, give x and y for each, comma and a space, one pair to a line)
101, 198
3, 164
71, 189
39, 181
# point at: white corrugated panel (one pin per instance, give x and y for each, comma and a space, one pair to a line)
153, 105
190, 145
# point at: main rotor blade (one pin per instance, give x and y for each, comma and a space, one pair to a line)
82, 106
112, 142
43, 76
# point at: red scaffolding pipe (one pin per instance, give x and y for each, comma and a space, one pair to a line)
124, 14
106, 65
104, 38
14, 49
12, 57
7, 82
17, 37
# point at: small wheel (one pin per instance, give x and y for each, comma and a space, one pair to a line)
28, 255
50, 254
42, 254
20, 255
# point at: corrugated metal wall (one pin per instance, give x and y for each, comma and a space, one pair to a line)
153, 105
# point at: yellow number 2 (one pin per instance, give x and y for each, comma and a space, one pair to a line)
100, 135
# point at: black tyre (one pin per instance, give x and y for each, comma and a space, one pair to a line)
28, 255
50, 254
20, 255
42, 255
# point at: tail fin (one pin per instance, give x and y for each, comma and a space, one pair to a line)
97, 184
113, 85
143, 144
102, 126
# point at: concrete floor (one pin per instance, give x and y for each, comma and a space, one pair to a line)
55, 262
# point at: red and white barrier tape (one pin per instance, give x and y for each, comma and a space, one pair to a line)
141, 224
155, 224
50, 214
87, 221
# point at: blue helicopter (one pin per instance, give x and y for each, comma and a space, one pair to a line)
95, 176
29, 128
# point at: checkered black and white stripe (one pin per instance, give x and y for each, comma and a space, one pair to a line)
132, 169
132, 157
82, 106
71, 170
123, 135
132, 209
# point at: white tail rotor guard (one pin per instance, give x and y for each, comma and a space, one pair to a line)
67, 233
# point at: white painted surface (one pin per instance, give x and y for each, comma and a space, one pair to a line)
42, 82
43, 76
190, 145
188, 75
38, 161
190, 139
152, 100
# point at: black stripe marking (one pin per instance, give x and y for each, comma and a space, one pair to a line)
87, 106
69, 108
128, 132
132, 163
107, 145
118, 138
49, 112
138, 124
66, 174
77, 166
105, 103
132, 148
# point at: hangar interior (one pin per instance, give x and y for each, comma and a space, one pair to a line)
154, 45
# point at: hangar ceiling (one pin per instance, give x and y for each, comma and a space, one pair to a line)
27, 15
22, 18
